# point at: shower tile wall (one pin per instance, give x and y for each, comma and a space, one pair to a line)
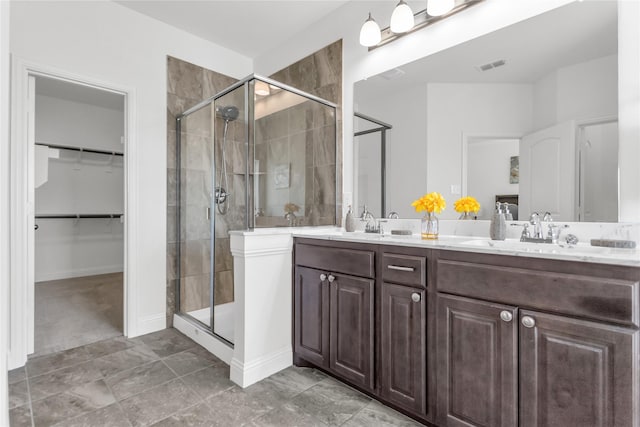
320, 74
187, 85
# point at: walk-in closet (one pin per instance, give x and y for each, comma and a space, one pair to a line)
79, 182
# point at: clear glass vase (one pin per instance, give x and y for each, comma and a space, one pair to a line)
466, 216
429, 226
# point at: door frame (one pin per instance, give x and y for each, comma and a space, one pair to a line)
22, 300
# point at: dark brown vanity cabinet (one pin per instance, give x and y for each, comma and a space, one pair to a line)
477, 363
334, 318
576, 372
478, 339
537, 353
403, 332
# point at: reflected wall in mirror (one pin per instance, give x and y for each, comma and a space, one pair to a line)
544, 89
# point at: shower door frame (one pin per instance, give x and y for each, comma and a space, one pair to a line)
249, 112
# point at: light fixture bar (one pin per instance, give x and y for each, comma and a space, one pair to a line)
422, 19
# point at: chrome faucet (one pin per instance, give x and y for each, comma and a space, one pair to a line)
534, 220
370, 226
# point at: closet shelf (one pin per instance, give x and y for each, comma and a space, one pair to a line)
77, 216
82, 150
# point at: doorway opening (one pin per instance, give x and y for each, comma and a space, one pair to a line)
77, 133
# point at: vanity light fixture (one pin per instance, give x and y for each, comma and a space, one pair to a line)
404, 22
370, 32
402, 18
262, 88
439, 7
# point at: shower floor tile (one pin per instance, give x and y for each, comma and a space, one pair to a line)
165, 379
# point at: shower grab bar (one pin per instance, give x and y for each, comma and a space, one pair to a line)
80, 149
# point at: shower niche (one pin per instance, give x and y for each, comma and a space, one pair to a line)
258, 154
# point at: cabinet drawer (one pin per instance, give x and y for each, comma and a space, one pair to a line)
611, 300
348, 261
404, 269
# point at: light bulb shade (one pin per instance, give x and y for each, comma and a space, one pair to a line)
439, 7
402, 18
370, 33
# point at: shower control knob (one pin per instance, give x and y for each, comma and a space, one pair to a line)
323, 277
331, 278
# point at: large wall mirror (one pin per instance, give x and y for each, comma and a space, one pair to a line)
526, 114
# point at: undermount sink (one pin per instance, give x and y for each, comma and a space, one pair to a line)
581, 249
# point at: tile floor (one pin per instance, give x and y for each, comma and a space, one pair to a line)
165, 379
77, 311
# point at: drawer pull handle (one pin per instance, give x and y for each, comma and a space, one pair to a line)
506, 316
323, 277
331, 278
400, 268
528, 322
415, 297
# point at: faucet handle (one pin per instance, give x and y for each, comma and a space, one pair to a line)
525, 230
534, 218
547, 217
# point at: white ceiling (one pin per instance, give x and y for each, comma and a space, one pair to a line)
571, 34
249, 27
76, 92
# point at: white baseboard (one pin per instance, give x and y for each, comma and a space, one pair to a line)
216, 347
149, 324
81, 272
245, 374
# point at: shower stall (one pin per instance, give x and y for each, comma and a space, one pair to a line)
257, 154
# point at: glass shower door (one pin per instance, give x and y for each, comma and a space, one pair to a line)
195, 159
228, 202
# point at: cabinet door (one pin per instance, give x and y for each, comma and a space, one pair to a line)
477, 363
352, 329
576, 373
403, 347
311, 307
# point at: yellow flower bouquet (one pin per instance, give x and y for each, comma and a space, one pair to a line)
466, 204
432, 202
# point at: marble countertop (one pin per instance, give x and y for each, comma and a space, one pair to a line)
582, 252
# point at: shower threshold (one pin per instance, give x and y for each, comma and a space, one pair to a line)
223, 319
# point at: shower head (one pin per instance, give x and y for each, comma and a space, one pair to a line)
228, 113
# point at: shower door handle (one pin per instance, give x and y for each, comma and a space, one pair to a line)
208, 214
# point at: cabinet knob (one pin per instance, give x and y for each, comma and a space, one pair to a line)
331, 278
323, 277
506, 316
415, 297
528, 322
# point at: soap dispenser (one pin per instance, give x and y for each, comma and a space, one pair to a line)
349, 221
498, 227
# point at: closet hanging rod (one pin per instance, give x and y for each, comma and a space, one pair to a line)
78, 216
83, 150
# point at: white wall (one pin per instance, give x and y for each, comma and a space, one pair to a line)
95, 184
629, 109
4, 209
406, 111
488, 171
106, 42
454, 110
78, 124
585, 90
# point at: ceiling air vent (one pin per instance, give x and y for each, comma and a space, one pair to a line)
490, 65
392, 74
